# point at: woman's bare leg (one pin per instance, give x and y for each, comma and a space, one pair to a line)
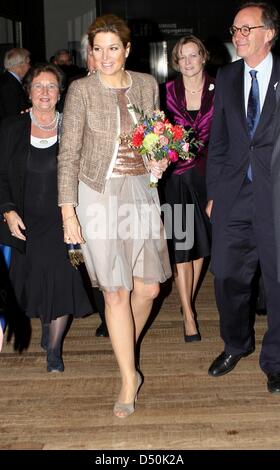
121, 329
142, 298
124, 326
186, 280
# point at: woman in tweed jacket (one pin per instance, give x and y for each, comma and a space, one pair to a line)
105, 198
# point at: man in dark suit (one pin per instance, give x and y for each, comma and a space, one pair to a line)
275, 175
13, 98
240, 192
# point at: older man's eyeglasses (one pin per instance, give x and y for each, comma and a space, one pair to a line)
40, 87
244, 30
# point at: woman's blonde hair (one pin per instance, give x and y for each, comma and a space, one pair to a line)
109, 24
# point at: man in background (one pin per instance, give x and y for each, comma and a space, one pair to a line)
13, 98
63, 59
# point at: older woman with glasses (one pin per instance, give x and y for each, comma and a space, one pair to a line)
45, 283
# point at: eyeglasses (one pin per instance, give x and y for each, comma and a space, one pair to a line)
40, 87
244, 30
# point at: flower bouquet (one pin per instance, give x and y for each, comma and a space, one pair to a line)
156, 138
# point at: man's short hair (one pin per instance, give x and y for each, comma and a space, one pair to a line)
16, 56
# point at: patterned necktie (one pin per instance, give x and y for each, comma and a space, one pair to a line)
253, 110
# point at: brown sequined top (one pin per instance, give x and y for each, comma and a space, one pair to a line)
128, 162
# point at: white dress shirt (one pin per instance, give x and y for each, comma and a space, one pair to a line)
264, 70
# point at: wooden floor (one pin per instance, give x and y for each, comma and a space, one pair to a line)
180, 406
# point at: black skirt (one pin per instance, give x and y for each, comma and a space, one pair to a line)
44, 281
188, 188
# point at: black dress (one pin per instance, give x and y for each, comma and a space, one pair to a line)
183, 183
45, 283
183, 189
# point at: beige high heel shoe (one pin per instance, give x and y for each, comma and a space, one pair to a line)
128, 408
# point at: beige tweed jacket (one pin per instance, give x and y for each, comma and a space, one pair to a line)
90, 131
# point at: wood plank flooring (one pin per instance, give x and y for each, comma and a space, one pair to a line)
179, 407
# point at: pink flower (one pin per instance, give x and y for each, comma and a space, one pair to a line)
186, 147
140, 128
159, 127
173, 155
163, 140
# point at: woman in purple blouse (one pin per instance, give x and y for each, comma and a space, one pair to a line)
188, 100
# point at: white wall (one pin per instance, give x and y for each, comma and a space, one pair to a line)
65, 22
230, 47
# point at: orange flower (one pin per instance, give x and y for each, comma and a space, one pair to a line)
137, 139
177, 132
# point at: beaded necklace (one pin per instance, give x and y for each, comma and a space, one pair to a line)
45, 127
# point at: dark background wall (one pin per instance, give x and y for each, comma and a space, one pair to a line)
155, 20
150, 21
207, 17
31, 15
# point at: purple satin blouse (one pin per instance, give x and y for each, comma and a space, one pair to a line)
176, 109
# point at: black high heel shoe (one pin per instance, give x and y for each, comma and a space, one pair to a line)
54, 361
102, 330
191, 338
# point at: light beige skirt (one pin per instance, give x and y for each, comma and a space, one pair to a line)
124, 234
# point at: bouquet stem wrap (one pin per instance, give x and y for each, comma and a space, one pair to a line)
75, 254
153, 181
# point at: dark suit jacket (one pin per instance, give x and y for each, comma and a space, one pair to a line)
275, 177
13, 98
231, 149
14, 149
